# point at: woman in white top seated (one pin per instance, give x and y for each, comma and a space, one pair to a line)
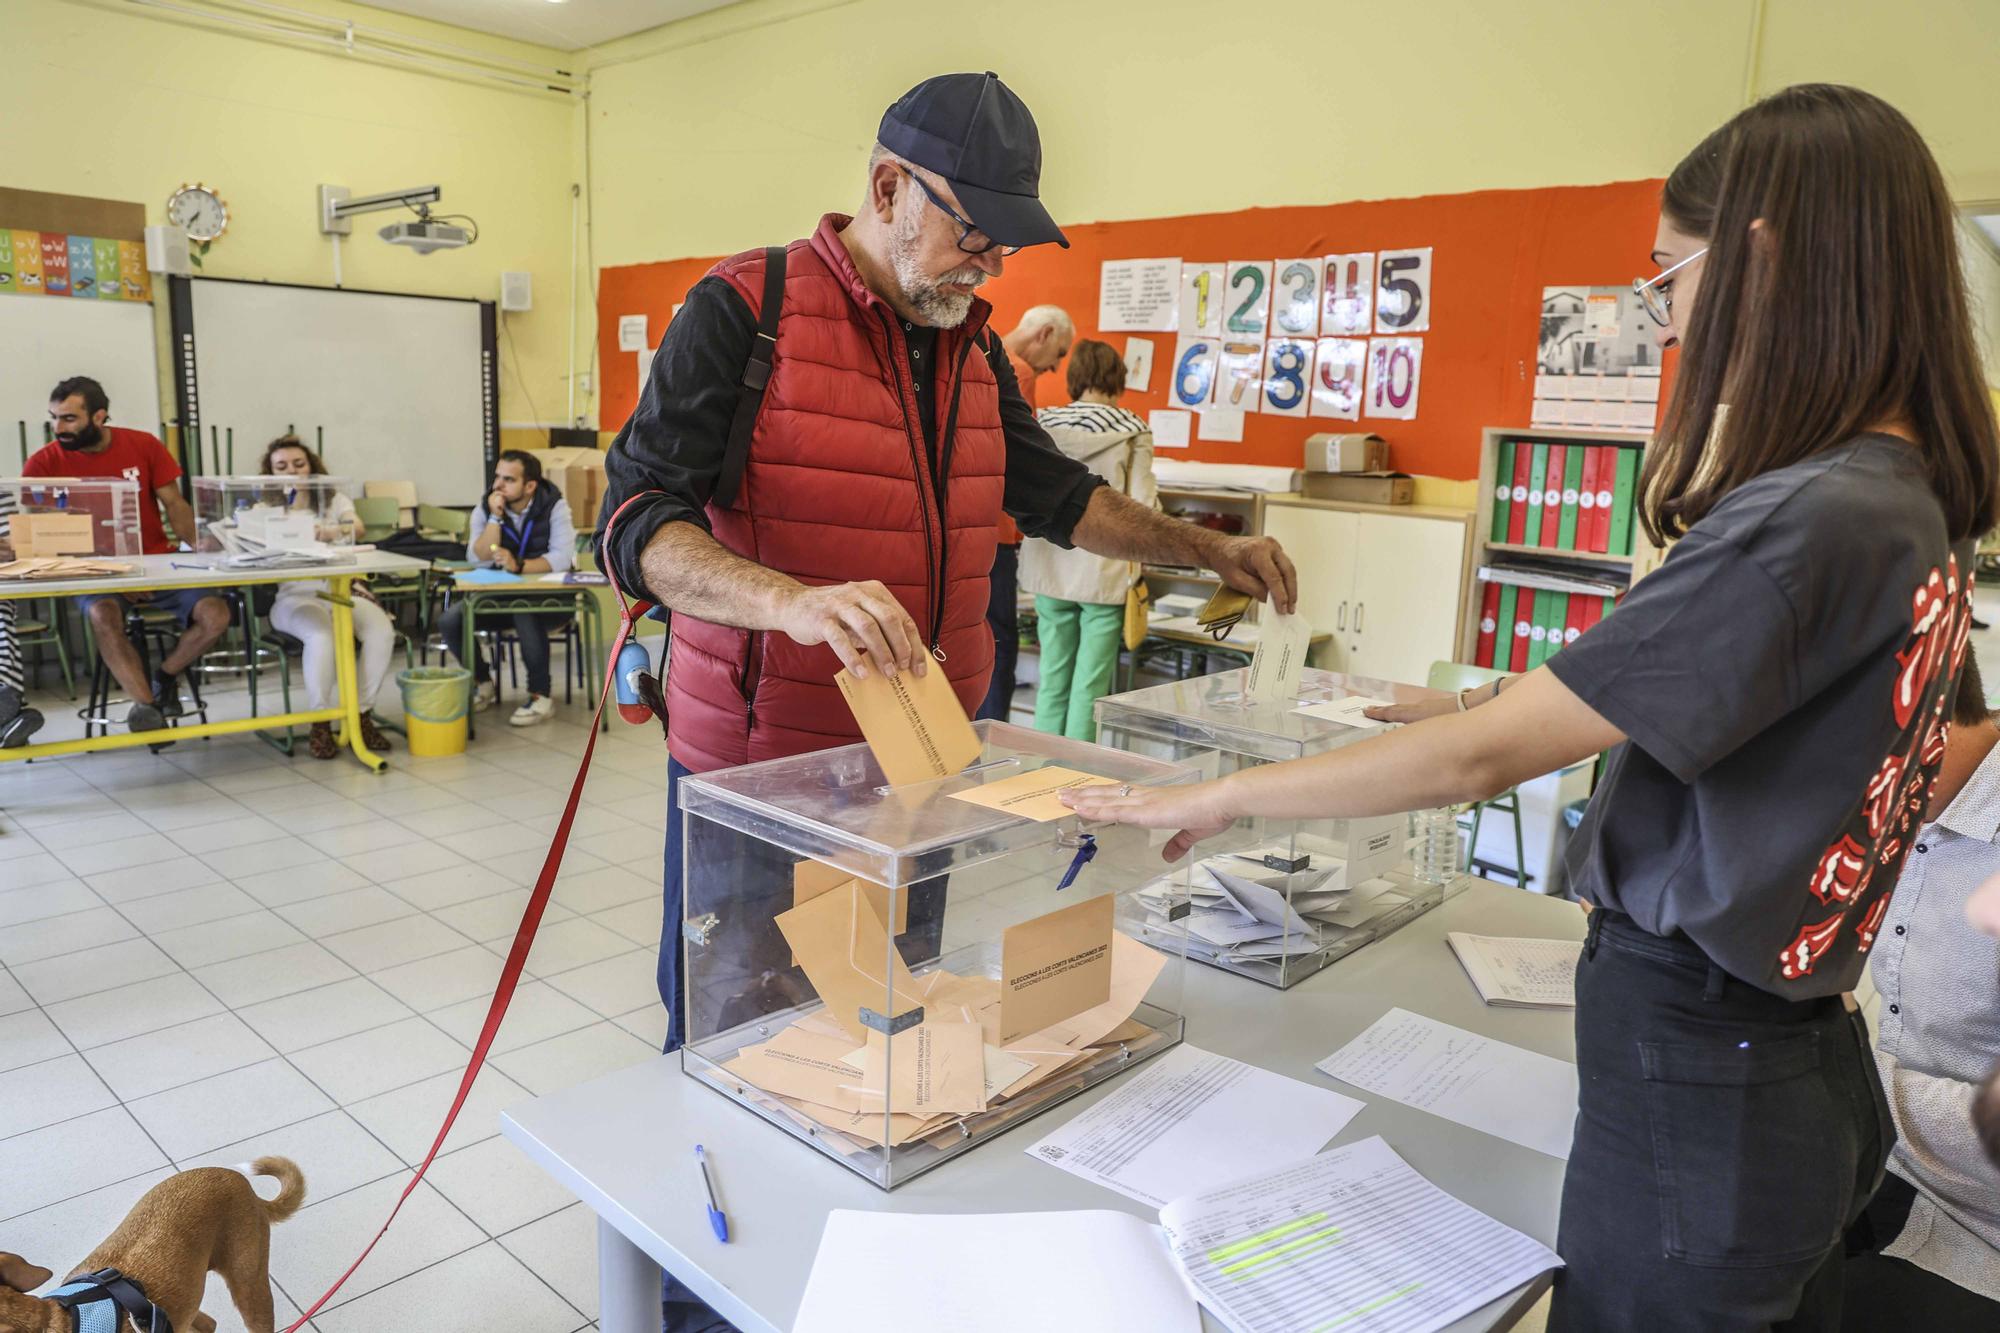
1080, 597
301, 612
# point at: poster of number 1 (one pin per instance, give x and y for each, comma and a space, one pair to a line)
1333, 336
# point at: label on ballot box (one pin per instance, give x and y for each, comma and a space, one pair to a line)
36, 535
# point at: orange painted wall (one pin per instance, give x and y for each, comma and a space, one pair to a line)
1492, 253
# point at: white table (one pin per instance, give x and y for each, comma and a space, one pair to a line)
163, 573
624, 1143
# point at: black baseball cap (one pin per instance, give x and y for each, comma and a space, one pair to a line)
972, 130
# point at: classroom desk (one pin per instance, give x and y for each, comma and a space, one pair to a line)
624, 1143
162, 573
532, 595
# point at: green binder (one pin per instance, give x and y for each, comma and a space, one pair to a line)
1572, 485
1550, 611
1537, 479
1622, 497
1610, 604
1503, 488
1503, 634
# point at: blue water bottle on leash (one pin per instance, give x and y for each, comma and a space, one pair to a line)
635, 665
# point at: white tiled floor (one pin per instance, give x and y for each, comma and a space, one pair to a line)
218, 953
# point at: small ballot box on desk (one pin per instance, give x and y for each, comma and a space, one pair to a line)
893, 974
1302, 893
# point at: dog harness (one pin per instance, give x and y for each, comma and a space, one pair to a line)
98, 1301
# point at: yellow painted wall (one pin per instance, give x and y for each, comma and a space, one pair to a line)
111, 101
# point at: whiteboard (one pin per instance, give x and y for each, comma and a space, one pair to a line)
44, 339
395, 382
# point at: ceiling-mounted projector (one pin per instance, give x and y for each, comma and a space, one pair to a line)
424, 235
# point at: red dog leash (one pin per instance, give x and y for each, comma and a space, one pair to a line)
524, 934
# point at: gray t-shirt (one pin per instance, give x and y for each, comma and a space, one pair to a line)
1786, 680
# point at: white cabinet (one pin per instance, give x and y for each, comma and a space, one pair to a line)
1386, 585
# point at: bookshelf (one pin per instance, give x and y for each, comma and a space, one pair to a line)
1555, 567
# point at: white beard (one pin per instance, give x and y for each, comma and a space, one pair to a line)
937, 308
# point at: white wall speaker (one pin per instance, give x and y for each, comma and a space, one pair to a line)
517, 291
167, 251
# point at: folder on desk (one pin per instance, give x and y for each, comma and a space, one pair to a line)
1572, 498
1489, 624
1517, 513
1503, 489
1552, 497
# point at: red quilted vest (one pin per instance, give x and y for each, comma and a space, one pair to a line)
839, 489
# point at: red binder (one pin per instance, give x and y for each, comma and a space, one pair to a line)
1593, 610
1607, 478
1517, 519
1489, 614
1524, 629
1574, 624
1552, 498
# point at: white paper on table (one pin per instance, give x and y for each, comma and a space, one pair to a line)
1519, 1095
1170, 428
1191, 1120
1141, 294
1262, 902
1223, 424
1511, 970
943, 1272
1138, 364
1352, 1239
631, 333
1280, 658
1347, 712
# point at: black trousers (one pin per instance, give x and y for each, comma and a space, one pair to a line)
1003, 619
1884, 1293
1726, 1138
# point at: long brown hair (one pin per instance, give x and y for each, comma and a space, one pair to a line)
1842, 307
314, 466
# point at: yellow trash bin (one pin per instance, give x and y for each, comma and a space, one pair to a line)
435, 702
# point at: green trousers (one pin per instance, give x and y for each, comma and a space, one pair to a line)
1080, 642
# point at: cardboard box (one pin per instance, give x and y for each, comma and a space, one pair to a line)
45, 534
1327, 452
1380, 488
579, 475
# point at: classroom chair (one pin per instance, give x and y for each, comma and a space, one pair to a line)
1456, 676
446, 524
380, 515
403, 493
31, 632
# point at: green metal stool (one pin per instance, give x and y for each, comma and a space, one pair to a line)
1457, 676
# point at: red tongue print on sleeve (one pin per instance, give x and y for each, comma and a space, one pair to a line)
1800, 955
1870, 923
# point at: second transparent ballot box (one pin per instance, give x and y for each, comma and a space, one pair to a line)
896, 974
75, 517
1299, 894
278, 520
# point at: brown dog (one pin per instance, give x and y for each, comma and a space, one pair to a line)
207, 1219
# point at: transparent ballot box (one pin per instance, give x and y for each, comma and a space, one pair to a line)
253, 522
75, 517
1296, 895
896, 974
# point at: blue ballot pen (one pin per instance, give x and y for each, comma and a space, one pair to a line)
716, 1221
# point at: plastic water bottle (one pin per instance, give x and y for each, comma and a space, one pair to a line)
1434, 844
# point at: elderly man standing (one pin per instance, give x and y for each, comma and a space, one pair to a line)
1036, 347
858, 527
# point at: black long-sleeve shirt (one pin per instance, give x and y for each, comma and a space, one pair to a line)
673, 443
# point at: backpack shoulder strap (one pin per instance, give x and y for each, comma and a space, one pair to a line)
756, 374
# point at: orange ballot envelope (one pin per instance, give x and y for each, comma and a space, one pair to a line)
914, 724
1031, 795
1055, 967
843, 946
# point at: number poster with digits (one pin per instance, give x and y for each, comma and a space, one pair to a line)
1327, 336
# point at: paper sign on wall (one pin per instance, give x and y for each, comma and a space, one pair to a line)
1288, 364
1295, 308
1247, 303
1170, 428
645, 358
1403, 291
1138, 364
1347, 293
1222, 424
1395, 369
1239, 376
631, 333
1200, 309
1141, 294
1194, 372
1338, 368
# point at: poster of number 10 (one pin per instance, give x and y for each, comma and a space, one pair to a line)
1291, 337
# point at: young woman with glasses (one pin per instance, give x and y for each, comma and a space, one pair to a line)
1775, 698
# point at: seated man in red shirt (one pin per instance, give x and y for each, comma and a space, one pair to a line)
85, 446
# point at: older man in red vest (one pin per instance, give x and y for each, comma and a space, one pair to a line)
857, 528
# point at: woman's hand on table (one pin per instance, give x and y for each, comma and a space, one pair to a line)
1415, 712
1198, 812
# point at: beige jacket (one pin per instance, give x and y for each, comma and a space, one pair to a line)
1116, 445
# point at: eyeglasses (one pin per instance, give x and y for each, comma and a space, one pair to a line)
970, 239
1656, 293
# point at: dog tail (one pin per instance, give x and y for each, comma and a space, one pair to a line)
291, 1182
